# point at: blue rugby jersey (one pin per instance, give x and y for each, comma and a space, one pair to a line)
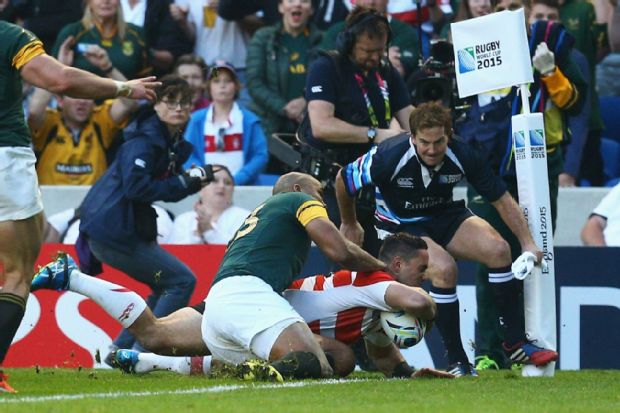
408, 191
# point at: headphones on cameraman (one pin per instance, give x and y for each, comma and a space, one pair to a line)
346, 38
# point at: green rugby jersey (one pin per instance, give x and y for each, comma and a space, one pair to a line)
272, 244
17, 47
128, 55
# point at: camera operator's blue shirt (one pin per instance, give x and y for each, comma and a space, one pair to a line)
408, 191
332, 79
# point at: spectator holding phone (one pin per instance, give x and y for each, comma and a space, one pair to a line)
103, 24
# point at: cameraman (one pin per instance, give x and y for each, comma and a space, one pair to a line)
355, 100
118, 223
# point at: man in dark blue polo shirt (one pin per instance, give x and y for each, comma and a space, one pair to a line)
356, 99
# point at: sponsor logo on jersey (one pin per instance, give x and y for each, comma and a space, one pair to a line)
316, 89
405, 182
68, 169
141, 163
127, 48
450, 179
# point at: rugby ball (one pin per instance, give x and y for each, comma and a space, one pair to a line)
405, 330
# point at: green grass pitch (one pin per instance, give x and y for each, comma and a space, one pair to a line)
66, 390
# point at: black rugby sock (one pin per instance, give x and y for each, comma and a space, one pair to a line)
448, 322
299, 365
12, 308
507, 292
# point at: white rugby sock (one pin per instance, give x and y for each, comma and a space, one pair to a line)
119, 302
183, 365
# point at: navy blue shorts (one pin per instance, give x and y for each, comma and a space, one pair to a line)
440, 228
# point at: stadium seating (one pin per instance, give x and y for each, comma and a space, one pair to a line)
610, 111
610, 151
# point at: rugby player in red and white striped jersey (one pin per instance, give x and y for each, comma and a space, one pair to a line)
339, 308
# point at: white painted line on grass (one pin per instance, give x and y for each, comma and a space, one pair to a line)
199, 390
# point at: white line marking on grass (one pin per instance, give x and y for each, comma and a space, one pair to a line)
196, 390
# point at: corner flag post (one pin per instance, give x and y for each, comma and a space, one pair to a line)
492, 53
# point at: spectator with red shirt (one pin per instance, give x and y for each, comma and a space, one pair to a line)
225, 132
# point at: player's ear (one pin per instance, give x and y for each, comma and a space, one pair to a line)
395, 264
297, 188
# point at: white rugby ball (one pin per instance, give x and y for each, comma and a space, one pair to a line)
404, 329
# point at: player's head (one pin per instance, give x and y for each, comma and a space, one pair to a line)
431, 127
365, 38
299, 182
406, 256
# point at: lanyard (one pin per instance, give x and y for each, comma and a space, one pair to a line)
386, 98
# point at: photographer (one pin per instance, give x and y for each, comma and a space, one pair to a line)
355, 100
118, 223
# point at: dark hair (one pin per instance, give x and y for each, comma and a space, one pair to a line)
429, 115
190, 59
362, 20
401, 244
219, 167
173, 86
367, 20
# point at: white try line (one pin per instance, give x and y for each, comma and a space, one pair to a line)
197, 390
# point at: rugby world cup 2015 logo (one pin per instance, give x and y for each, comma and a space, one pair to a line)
537, 137
467, 60
519, 138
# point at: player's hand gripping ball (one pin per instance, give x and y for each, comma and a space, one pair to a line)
404, 329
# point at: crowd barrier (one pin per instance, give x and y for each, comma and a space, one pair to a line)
67, 330
575, 205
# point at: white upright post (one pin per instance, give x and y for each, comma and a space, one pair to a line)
528, 136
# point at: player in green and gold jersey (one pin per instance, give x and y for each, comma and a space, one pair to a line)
21, 212
245, 314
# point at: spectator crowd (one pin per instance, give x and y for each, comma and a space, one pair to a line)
264, 50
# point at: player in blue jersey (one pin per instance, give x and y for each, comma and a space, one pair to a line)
414, 177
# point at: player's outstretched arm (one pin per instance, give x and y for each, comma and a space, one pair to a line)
513, 217
413, 300
331, 242
46, 72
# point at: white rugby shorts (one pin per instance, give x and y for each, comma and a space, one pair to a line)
243, 318
20, 197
